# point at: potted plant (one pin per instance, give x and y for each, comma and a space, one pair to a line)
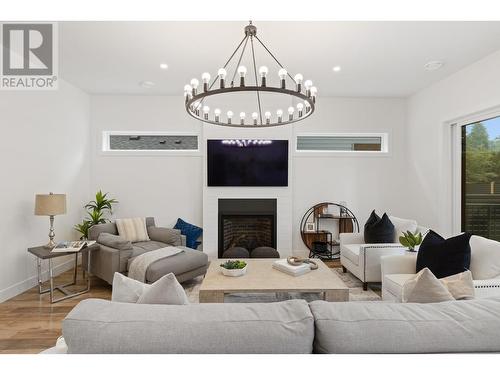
234, 268
411, 240
96, 211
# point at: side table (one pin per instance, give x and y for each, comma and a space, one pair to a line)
43, 253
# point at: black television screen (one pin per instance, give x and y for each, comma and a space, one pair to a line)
247, 162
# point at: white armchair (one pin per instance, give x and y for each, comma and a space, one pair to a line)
363, 260
485, 268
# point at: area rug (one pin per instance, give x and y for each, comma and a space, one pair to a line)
356, 292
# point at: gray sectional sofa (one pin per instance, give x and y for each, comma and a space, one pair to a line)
99, 326
114, 254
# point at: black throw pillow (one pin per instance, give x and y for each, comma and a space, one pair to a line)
444, 257
379, 229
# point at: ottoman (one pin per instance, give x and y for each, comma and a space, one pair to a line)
185, 266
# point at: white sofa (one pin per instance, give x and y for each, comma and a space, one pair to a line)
363, 260
484, 265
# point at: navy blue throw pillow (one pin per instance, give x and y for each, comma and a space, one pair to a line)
444, 257
379, 229
192, 233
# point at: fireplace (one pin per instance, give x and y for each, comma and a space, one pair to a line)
247, 223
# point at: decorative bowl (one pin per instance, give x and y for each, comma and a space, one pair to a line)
234, 272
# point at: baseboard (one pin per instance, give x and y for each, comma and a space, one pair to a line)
27, 284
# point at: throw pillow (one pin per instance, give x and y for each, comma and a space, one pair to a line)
444, 257
126, 289
461, 286
165, 290
379, 229
425, 288
192, 232
485, 262
133, 229
402, 226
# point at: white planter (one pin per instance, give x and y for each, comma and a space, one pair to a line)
235, 272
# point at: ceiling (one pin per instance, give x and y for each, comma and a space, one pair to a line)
377, 58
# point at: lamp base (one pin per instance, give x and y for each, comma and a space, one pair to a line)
50, 245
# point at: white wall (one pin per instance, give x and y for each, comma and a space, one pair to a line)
473, 89
168, 187
44, 148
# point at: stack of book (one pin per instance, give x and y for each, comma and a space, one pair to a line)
283, 266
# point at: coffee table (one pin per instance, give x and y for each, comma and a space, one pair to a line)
261, 277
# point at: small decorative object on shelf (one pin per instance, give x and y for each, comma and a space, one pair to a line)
321, 225
411, 240
234, 268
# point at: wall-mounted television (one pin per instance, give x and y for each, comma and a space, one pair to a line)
247, 162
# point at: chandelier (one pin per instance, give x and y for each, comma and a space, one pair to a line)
299, 92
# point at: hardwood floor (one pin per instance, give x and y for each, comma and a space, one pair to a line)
29, 323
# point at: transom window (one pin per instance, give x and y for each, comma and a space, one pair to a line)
144, 141
342, 142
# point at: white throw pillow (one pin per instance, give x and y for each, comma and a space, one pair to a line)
425, 288
485, 258
461, 285
133, 229
166, 291
126, 289
402, 225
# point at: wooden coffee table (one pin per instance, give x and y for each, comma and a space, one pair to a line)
261, 277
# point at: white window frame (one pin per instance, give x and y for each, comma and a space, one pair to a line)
384, 146
454, 127
106, 150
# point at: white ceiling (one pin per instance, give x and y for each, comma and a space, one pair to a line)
377, 58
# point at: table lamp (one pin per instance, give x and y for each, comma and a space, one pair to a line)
50, 205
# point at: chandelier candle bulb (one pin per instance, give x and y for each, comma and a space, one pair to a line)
267, 115
263, 74
255, 116
290, 113
314, 92
308, 84
300, 108
279, 113
242, 118
206, 109
229, 116
217, 114
222, 77
242, 71
298, 81
282, 74
308, 107
194, 84
205, 77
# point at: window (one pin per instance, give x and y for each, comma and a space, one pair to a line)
481, 178
342, 142
148, 141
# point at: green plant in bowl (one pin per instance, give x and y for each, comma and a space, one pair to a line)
410, 240
234, 264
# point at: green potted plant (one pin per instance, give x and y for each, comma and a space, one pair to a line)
96, 213
234, 268
411, 240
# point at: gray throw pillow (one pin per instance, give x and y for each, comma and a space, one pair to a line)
114, 241
168, 236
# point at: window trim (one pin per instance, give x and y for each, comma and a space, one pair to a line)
385, 149
106, 151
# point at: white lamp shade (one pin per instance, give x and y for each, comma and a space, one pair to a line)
50, 204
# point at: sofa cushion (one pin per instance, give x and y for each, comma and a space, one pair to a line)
379, 229
402, 226
351, 252
99, 326
485, 258
133, 229
192, 233
394, 283
444, 257
165, 291
368, 327
178, 264
114, 241
168, 236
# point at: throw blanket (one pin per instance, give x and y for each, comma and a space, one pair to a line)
140, 264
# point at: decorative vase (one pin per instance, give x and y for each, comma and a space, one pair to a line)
234, 272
